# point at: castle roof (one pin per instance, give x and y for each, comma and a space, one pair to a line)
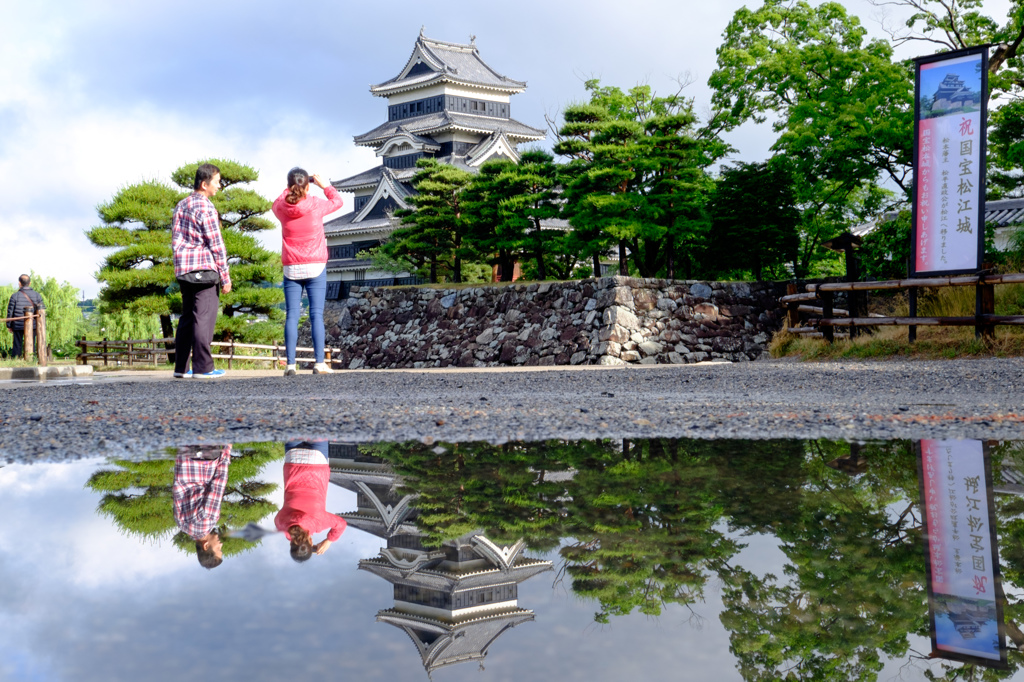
440, 644
443, 121
435, 61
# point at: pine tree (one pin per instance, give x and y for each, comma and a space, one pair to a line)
139, 275
431, 235
494, 232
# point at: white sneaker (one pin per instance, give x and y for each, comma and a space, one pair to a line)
322, 368
290, 371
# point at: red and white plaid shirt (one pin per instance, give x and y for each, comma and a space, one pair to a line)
198, 489
196, 239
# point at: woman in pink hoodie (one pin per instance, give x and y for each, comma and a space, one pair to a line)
304, 255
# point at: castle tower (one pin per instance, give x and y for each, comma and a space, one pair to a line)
445, 103
453, 601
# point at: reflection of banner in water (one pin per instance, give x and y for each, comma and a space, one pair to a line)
949, 162
964, 594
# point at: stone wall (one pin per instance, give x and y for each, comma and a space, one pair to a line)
606, 321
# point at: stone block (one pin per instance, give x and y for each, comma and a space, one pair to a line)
630, 356
448, 301
356, 363
547, 361
700, 290
667, 304
637, 337
578, 357
607, 360
727, 344
680, 348
608, 348
676, 359
486, 337
650, 347
649, 361
590, 304
622, 317
644, 299
613, 333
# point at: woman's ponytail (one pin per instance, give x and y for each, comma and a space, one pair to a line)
298, 185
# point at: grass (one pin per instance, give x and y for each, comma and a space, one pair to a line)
932, 342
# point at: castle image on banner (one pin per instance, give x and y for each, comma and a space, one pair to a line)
445, 103
953, 95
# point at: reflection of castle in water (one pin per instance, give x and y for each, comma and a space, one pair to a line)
954, 95
453, 601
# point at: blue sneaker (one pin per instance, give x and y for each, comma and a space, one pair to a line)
186, 375
210, 375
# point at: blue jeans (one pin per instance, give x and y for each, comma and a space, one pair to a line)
316, 291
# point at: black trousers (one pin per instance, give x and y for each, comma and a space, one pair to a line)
199, 306
18, 349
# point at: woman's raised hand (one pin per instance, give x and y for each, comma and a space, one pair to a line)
318, 181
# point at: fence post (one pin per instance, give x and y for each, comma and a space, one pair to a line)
984, 304
792, 316
130, 343
912, 302
29, 338
41, 336
83, 344
105, 357
828, 331
327, 357
231, 353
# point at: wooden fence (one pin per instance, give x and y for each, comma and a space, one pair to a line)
35, 331
153, 351
824, 318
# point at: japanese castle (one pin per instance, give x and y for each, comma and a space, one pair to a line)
445, 103
452, 601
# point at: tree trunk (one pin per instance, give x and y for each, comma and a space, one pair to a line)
597, 265
458, 270
433, 271
542, 272
670, 260
508, 266
168, 331
623, 263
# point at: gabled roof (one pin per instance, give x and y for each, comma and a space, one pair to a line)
388, 188
497, 144
1001, 212
435, 61
443, 121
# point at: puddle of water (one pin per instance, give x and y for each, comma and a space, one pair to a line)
745, 560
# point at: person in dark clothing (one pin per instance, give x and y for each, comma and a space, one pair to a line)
25, 301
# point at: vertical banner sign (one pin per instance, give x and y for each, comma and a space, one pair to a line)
951, 115
964, 593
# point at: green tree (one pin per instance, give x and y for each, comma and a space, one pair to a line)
431, 234
843, 109
139, 275
494, 232
137, 496
754, 220
64, 321
635, 177
538, 202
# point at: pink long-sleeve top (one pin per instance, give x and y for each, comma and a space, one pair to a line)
305, 501
302, 226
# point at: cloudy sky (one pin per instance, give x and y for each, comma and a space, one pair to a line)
97, 94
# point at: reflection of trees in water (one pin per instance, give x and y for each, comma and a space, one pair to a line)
137, 496
647, 522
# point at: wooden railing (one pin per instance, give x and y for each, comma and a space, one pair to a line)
150, 351
825, 318
34, 331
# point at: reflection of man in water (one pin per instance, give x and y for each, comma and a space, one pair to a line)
200, 478
306, 477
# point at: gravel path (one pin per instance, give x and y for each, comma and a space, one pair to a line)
137, 413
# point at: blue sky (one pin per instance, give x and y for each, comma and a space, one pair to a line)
97, 94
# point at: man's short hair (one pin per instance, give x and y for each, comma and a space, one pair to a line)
24, 280
207, 559
204, 173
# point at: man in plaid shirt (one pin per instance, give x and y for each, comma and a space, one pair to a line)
200, 264
200, 479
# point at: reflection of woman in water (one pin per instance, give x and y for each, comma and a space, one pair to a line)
306, 477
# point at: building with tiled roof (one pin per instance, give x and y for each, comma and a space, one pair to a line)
452, 601
445, 103
1005, 215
